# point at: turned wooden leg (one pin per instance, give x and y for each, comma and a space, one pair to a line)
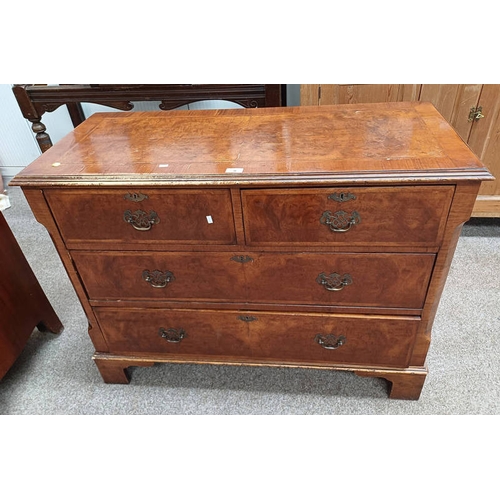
42, 137
114, 370
405, 384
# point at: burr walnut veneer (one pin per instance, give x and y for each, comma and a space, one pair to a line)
301, 237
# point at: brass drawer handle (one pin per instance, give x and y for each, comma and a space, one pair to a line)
141, 220
172, 335
340, 221
157, 278
334, 282
330, 341
242, 259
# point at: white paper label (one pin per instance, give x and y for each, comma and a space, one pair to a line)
234, 170
4, 202
163, 165
209, 219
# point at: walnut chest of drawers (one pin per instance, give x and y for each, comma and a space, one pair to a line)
313, 237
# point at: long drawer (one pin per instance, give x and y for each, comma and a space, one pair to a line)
315, 338
374, 216
358, 280
103, 216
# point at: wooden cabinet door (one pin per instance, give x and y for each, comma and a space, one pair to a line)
484, 140
321, 94
454, 103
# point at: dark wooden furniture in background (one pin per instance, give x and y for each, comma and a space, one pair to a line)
315, 237
472, 110
23, 304
35, 100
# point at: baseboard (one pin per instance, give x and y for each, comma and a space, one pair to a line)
8, 174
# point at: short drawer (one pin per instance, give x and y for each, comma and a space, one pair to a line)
189, 216
314, 338
357, 280
377, 216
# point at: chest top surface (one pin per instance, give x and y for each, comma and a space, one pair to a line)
325, 144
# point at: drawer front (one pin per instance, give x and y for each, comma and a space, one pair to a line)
240, 335
380, 216
358, 280
350, 279
169, 215
188, 276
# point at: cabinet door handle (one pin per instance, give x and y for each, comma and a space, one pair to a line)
340, 222
334, 282
141, 220
330, 341
172, 335
157, 278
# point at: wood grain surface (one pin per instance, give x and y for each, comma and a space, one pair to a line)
238, 209
371, 340
378, 280
387, 216
387, 141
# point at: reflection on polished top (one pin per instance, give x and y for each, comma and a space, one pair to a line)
237, 146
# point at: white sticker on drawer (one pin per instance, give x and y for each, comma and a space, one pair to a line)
234, 170
209, 219
163, 165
